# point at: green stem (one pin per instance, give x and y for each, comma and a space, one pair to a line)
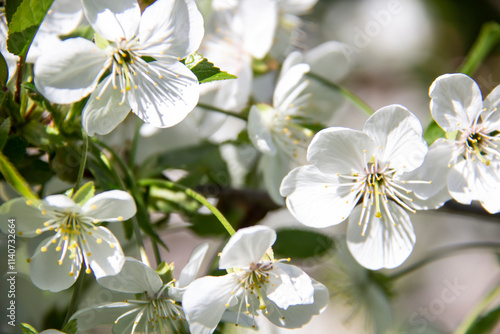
19, 79
345, 92
488, 38
442, 253
135, 142
156, 252
193, 194
229, 113
469, 321
137, 197
74, 298
83, 163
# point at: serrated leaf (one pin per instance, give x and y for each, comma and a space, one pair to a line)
204, 70
85, 193
10, 8
15, 179
70, 327
4, 132
301, 244
27, 329
4, 71
24, 24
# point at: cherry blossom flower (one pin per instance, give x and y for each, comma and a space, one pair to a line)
349, 166
472, 144
161, 92
157, 310
255, 284
76, 237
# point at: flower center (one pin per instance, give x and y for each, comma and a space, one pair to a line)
162, 314
71, 230
481, 146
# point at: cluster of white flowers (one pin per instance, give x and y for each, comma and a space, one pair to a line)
374, 178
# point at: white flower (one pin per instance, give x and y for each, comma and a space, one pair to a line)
473, 153
161, 92
256, 283
76, 237
369, 165
280, 131
237, 38
156, 310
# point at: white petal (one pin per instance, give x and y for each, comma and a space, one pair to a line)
27, 218
205, 301
63, 17
398, 135
174, 28
234, 94
96, 315
317, 199
190, 271
297, 316
296, 7
51, 331
167, 101
340, 150
42, 43
455, 101
473, 180
383, 245
330, 60
274, 170
259, 128
288, 286
59, 203
71, 72
106, 253
102, 115
113, 19
258, 34
248, 245
289, 86
135, 277
113, 205
292, 59
47, 274
491, 115
434, 169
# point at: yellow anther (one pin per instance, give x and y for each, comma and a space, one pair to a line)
99, 241
28, 260
38, 231
88, 271
19, 233
71, 274
58, 248
112, 245
120, 218
44, 212
44, 249
29, 202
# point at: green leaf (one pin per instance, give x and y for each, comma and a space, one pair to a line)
203, 162
28, 329
10, 8
15, 179
4, 72
85, 193
4, 132
39, 135
15, 149
297, 243
433, 132
24, 24
486, 323
66, 163
70, 327
204, 70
